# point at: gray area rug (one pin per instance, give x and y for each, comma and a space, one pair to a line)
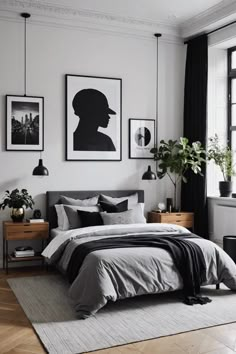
46, 303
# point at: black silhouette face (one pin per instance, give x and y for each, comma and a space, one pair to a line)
91, 106
102, 120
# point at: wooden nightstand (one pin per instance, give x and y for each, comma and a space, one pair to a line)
183, 218
13, 231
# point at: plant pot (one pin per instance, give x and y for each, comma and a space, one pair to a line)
225, 188
17, 214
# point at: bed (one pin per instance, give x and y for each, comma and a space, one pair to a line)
108, 274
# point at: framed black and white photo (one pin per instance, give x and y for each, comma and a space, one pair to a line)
24, 123
93, 118
141, 138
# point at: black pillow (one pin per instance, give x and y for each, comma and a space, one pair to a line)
90, 218
114, 208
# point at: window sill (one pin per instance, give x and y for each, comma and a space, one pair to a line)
229, 200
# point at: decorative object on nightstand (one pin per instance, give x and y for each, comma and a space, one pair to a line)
17, 200
37, 214
183, 219
23, 231
222, 157
169, 205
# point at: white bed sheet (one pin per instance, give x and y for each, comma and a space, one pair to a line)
56, 232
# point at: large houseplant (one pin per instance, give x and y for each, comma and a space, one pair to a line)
17, 200
222, 157
174, 158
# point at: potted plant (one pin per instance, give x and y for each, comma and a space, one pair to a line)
17, 200
174, 158
222, 157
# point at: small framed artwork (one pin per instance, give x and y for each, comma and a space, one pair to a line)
24, 123
93, 118
141, 138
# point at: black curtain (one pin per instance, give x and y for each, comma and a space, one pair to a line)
193, 194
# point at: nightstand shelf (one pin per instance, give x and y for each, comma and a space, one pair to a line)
12, 259
182, 218
23, 231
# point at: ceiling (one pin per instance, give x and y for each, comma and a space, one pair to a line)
167, 11
176, 18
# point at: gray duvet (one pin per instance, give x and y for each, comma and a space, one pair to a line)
126, 272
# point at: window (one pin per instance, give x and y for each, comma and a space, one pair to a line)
232, 97
217, 109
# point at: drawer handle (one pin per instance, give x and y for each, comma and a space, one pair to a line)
178, 214
27, 232
178, 220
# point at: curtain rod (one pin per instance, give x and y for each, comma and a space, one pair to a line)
213, 31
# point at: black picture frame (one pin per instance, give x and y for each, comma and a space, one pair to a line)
24, 123
93, 104
140, 148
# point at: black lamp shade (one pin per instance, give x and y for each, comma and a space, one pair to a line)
40, 170
149, 175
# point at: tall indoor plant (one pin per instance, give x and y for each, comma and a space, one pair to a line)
17, 200
222, 157
174, 158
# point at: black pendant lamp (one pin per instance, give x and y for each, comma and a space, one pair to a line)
40, 170
149, 175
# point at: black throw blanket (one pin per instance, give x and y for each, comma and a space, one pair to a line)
187, 257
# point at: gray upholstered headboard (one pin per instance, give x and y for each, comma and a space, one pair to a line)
53, 197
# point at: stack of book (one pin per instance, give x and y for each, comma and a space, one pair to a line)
24, 252
35, 220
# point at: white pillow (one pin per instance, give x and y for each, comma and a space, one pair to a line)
132, 216
62, 219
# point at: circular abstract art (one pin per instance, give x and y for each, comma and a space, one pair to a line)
142, 136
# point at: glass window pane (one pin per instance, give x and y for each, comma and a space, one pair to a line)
233, 115
233, 60
233, 145
233, 91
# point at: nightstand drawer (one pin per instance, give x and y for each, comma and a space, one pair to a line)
26, 235
27, 227
176, 217
183, 219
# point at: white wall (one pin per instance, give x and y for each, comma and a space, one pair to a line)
52, 53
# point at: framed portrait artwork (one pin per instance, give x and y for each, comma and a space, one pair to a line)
93, 118
24, 123
141, 138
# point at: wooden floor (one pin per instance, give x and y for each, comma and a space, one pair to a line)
17, 335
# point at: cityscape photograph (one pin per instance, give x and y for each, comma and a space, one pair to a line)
25, 123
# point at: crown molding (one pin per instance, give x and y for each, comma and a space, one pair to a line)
218, 15
66, 16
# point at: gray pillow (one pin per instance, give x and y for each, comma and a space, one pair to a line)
73, 217
132, 199
132, 216
80, 202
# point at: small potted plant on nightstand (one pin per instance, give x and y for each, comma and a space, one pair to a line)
222, 157
174, 158
17, 200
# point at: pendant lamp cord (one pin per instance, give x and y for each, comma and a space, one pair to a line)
157, 35
25, 16
25, 61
